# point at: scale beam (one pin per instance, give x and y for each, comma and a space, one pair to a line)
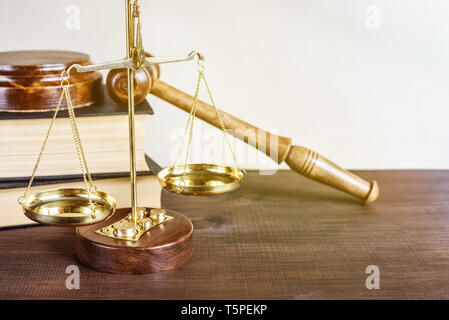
129, 63
117, 64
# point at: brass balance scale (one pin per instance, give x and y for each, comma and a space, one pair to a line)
77, 207
139, 240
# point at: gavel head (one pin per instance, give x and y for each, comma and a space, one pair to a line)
117, 83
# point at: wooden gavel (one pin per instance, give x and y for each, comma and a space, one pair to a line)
302, 160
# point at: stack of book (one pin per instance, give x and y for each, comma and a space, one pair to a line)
104, 135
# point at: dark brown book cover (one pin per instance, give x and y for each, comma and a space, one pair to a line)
106, 106
20, 182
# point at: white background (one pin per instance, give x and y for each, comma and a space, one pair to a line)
365, 93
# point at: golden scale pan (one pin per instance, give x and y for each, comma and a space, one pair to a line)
201, 179
72, 207
67, 207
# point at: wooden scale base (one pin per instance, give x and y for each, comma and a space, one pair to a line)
163, 247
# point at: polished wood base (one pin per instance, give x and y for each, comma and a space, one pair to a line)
163, 247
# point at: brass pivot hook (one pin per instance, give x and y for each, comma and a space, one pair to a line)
137, 51
200, 61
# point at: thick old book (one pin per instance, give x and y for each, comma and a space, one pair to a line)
148, 194
104, 133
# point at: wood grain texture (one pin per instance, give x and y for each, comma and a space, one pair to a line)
277, 237
117, 83
31, 80
164, 247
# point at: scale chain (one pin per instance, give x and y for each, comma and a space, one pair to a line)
192, 114
89, 185
189, 125
220, 120
80, 152
44, 145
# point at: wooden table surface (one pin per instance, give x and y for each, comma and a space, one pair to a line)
277, 237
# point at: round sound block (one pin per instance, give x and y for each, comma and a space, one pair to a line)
31, 80
163, 247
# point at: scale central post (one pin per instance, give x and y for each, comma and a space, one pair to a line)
132, 147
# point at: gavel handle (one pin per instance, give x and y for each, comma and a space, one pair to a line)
302, 160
